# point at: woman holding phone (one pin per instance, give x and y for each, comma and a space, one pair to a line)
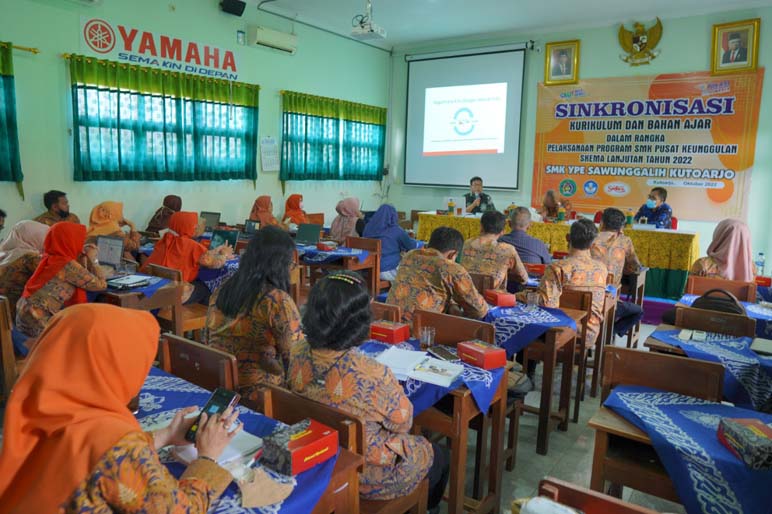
70, 444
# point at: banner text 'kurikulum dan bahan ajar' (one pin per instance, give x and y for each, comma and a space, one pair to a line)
607, 142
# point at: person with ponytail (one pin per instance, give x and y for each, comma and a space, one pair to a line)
253, 316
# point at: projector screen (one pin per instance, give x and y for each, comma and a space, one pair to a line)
463, 118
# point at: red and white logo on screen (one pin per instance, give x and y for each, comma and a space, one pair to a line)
99, 36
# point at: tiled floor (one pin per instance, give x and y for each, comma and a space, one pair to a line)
569, 457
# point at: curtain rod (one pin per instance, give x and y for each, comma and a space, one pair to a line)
26, 49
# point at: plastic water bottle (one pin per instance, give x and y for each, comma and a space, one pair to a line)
451, 206
760, 260
629, 218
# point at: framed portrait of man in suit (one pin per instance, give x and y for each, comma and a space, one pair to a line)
735, 47
561, 63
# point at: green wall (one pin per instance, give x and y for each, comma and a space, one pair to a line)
323, 65
685, 47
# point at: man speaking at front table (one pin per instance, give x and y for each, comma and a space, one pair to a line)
476, 200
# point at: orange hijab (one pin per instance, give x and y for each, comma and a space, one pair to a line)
63, 243
261, 211
176, 249
69, 405
104, 219
293, 211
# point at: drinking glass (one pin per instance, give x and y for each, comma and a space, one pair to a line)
459, 211
427, 337
531, 300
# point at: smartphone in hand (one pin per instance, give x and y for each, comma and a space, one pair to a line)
220, 400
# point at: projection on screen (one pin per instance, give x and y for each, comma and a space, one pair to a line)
463, 119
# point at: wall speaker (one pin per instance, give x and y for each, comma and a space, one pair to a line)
235, 7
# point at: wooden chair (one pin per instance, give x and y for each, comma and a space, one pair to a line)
193, 316
482, 282
634, 286
290, 408
316, 218
744, 291
202, 365
713, 321
586, 500
623, 454
384, 311
451, 330
11, 364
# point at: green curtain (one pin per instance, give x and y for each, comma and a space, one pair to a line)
10, 162
138, 123
330, 139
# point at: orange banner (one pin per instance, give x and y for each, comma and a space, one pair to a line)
608, 142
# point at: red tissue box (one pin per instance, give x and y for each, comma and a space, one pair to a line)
326, 246
481, 354
764, 281
500, 298
389, 331
749, 440
299, 447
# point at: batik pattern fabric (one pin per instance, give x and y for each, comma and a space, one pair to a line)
617, 252
577, 273
395, 460
493, 259
14, 276
52, 219
131, 478
709, 267
33, 312
261, 339
426, 280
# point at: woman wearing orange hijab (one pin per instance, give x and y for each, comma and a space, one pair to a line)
177, 250
107, 219
262, 211
71, 445
66, 271
293, 210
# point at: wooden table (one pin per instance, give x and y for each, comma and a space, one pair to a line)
456, 428
557, 341
625, 457
342, 495
167, 296
655, 345
371, 265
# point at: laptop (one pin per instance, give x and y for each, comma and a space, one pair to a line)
220, 237
128, 282
308, 234
110, 250
250, 227
211, 219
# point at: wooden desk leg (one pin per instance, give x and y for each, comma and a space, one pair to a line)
496, 470
177, 317
458, 454
564, 402
545, 407
481, 456
597, 481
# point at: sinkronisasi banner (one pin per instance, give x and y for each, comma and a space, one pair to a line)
607, 142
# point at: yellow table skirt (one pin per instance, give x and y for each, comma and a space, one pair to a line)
655, 248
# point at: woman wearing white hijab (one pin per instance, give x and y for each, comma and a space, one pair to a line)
19, 257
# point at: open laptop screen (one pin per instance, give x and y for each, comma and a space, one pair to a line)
220, 237
212, 219
308, 234
110, 250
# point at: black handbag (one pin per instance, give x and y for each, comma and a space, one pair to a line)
719, 300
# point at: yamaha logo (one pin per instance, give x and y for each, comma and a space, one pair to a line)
99, 36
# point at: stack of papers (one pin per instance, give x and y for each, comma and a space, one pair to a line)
762, 346
413, 364
401, 362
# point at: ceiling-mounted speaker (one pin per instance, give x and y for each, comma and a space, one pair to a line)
234, 7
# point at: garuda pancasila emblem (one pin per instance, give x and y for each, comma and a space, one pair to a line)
640, 43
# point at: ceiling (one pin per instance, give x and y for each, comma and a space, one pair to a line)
414, 21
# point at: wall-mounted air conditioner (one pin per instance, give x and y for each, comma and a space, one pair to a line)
261, 36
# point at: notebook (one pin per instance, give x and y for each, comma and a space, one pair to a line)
308, 234
242, 447
436, 371
110, 250
762, 346
220, 237
211, 220
401, 362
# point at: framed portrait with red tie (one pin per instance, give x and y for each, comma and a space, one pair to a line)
561, 63
735, 47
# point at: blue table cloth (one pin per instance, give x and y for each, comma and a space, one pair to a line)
764, 293
154, 284
747, 376
482, 383
762, 315
312, 255
214, 278
517, 327
163, 395
708, 478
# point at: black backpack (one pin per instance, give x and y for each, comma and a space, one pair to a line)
718, 300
